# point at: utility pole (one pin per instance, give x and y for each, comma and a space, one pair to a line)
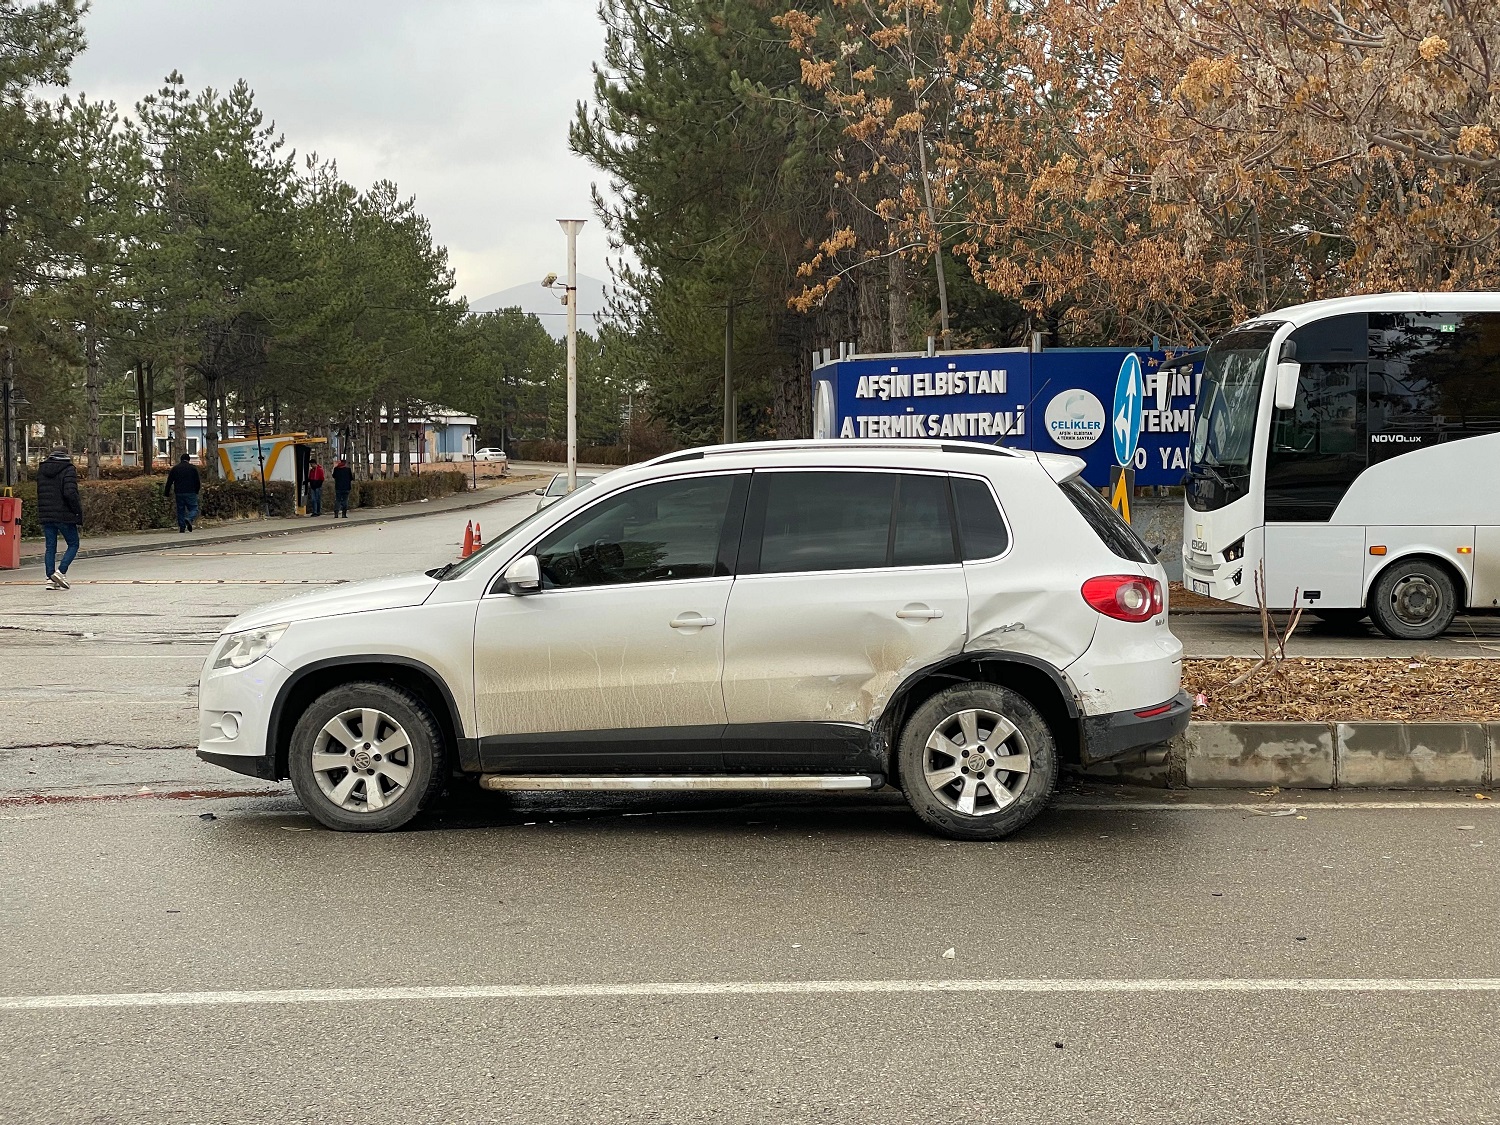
8, 406
729, 420
572, 227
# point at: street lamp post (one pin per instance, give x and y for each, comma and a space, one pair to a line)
572, 227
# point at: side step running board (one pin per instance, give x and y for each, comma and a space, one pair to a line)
720, 782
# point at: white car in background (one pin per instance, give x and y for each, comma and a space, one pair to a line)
955, 620
557, 488
491, 453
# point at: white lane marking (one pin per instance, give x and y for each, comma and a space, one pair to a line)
739, 988
1269, 806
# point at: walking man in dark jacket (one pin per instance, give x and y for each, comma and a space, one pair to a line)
343, 482
59, 511
183, 480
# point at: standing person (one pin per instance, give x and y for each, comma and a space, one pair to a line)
184, 480
60, 511
315, 489
343, 481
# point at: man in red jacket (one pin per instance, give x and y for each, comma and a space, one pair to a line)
315, 489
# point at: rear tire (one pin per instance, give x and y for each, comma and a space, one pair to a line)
1413, 601
366, 757
953, 756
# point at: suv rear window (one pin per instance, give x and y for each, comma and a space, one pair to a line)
1113, 532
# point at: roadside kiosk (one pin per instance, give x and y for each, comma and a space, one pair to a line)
269, 457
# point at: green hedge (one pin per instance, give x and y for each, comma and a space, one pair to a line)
138, 505
401, 490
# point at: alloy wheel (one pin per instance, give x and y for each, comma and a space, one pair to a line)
362, 760
976, 762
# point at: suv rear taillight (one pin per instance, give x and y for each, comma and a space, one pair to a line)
1125, 597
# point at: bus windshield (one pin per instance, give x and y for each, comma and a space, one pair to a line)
1224, 433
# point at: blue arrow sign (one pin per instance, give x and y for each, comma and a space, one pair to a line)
1125, 418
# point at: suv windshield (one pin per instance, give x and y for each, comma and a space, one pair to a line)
1228, 402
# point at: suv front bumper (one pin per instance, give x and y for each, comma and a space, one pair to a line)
1119, 732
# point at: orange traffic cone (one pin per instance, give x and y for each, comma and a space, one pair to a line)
468, 540
478, 537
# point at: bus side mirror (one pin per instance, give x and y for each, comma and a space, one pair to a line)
1288, 372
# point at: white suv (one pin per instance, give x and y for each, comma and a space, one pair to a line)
953, 619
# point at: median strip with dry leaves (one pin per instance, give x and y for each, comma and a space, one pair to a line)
1411, 689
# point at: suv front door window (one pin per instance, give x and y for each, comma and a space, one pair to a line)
616, 663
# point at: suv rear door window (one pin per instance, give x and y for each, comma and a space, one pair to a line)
823, 521
819, 521
1113, 532
980, 527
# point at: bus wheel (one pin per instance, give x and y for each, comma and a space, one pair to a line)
1413, 601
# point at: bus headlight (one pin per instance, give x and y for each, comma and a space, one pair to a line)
240, 650
1235, 551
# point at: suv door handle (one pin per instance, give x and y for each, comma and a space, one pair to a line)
918, 611
691, 620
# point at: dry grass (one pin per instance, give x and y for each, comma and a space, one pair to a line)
1413, 689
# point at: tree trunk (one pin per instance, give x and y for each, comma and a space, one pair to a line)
211, 428
388, 445
10, 449
791, 380
405, 439
91, 391
899, 302
179, 410
145, 437
937, 234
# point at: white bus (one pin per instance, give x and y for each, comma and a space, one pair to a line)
1353, 446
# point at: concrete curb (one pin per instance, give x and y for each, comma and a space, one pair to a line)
1316, 756
289, 526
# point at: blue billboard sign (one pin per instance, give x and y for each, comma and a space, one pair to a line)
1058, 401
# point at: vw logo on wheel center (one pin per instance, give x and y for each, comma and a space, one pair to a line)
1125, 418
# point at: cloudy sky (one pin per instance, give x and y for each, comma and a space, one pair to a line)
463, 103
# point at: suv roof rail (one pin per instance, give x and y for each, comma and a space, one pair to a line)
803, 444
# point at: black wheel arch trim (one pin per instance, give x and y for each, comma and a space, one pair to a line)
991, 656
466, 749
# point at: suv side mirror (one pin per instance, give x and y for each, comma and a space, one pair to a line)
1288, 371
524, 576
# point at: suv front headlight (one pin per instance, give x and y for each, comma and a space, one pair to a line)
239, 650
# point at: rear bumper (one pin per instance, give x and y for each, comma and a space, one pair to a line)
1119, 732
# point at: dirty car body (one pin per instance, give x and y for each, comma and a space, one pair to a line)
768, 616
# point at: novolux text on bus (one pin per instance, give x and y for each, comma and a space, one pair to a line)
1352, 448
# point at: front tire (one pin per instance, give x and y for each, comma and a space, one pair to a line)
1413, 601
977, 762
366, 757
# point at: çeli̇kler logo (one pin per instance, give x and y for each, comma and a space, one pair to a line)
1075, 419
1125, 425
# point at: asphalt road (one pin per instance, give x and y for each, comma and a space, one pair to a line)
747, 902
1239, 634
666, 958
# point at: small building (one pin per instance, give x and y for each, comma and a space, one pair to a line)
164, 427
449, 435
